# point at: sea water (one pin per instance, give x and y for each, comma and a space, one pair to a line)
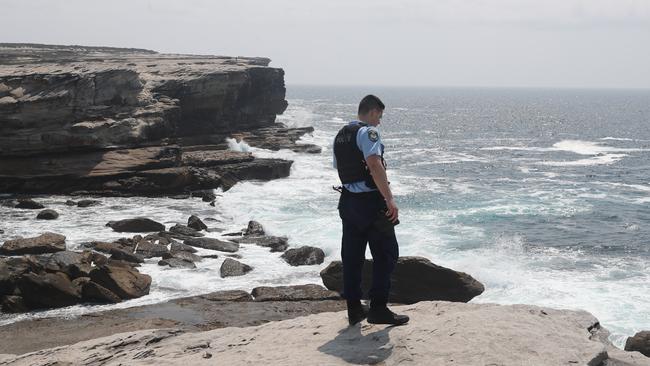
542, 195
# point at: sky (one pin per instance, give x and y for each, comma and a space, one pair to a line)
458, 43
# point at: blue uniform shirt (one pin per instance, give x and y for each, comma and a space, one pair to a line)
369, 142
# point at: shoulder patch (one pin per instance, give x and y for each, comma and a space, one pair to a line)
373, 135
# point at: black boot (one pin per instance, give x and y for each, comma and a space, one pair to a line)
380, 314
356, 311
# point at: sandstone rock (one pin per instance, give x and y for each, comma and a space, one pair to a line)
94, 292
440, 333
135, 225
195, 223
276, 243
123, 282
213, 244
640, 342
47, 290
414, 279
177, 263
47, 214
29, 203
150, 250
304, 256
294, 293
44, 243
183, 255
185, 230
88, 203
231, 267
254, 228
180, 247
228, 295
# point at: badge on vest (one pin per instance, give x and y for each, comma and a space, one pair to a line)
373, 135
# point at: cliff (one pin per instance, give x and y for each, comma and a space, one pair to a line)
69, 112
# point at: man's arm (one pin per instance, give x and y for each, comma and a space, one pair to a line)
378, 173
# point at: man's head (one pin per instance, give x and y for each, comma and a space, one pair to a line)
371, 110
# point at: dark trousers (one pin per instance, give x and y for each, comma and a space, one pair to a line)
359, 212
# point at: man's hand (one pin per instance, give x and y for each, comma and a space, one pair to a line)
392, 211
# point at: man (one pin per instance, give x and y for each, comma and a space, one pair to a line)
368, 212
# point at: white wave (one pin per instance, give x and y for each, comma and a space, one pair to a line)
575, 146
616, 138
598, 160
235, 145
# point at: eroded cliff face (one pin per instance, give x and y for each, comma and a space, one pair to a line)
68, 112
90, 98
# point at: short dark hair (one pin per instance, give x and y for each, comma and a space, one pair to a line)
370, 102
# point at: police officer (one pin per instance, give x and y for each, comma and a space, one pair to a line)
368, 213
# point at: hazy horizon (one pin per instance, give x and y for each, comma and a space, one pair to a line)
581, 44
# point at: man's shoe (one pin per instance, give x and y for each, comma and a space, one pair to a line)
356, 312
383, 315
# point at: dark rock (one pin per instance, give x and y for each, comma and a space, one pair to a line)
157, 238
640, 342
94, 292
136, 225
238, 256
47, 214
29, 203
12, 268
304, 256
254, 228
195, 223
210, 256
177, 263
13, 304
213, 244
78, 283
180, 247
276, 243
179, 196
184, 230
70, 203
150, 250
171, 236
124, 282
233, 234
47, 290
212, 203
228, 295
121, 263
124, 255
231, 267
209, 197
87, 203
414, 279
294, 293
73, 264
44, 243
183, 255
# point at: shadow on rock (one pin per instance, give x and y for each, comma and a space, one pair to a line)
353, 347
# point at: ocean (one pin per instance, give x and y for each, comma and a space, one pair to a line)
540, 194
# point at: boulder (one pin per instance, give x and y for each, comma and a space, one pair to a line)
88, 203
177, 263
44, 243
70, 203
149, 249
254, 228
127, 256
180, 247
183, 255
11, 268
228, 295
28, 203
47, 290
185, 230
124, 282
640, 342
304, 256
231, 267
275, 243
136, 225
414, 279
157, 238
213, 244
94, 292
195, 223
310, 292
112, 262
47, 214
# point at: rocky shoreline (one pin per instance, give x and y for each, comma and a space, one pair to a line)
100, 121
